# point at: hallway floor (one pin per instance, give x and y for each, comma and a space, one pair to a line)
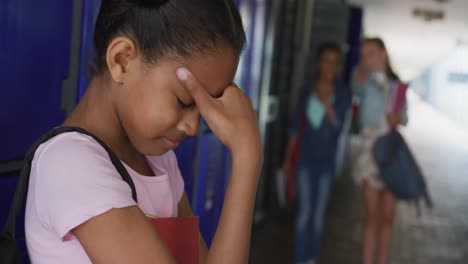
438, 236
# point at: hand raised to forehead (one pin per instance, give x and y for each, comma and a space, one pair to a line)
231, 117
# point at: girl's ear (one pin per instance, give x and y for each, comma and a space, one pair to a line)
121, 52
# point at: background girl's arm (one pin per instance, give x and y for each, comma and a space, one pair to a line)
330, 112
400, 118
295, 126
289, 151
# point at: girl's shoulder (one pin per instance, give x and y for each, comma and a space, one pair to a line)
73, 158
81, 152
72, 180
69, 147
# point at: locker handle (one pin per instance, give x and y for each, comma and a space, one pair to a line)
209, 199
273, 108
70, 83
10, 167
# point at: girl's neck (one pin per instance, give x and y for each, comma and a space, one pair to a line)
96, 113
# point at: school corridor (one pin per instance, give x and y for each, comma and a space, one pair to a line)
437, 237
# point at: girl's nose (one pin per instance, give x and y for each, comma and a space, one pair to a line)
190, 123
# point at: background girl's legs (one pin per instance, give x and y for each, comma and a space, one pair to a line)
304, 215
324, 183
387, 214
371, 200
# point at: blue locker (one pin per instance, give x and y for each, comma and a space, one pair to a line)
354, 40
210, 184
248, 75
35, 53
35, 59
186, 157
90, 13
244, 71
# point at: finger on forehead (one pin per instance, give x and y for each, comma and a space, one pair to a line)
194, 87
232, 90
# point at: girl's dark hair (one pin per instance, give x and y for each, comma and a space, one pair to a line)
388, 67
328, 46
168, 27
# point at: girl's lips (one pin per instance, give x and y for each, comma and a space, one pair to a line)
172, 144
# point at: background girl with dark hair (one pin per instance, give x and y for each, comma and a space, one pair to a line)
372, 83
160, 65
317, 123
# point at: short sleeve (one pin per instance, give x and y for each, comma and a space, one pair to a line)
76, 181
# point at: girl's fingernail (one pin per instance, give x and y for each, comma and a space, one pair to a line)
182, 74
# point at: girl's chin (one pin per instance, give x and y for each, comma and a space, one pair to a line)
154, 151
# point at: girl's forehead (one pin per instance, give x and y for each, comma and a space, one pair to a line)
215, 70
330, 54
369, 46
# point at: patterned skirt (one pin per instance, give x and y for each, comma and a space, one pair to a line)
365, 167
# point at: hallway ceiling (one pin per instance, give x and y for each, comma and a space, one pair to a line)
415, 44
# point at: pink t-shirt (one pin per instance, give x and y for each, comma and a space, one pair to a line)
72, 180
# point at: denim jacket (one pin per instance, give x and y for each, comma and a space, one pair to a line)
319, 143
373, 102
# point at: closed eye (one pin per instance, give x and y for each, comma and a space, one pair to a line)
182, 104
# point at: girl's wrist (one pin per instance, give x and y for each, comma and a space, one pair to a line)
247, 157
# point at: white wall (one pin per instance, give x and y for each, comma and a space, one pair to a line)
414, 44
445, 85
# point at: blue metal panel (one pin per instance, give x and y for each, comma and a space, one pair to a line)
354, 40
243, 76
249, 72
210, 185
90, 13
186, 157
35, 59
35, 56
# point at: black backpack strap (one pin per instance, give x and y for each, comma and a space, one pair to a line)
23, 181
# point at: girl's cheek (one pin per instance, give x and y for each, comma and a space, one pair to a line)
167, 118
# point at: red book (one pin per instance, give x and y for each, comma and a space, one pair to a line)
181, 236
399, 98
